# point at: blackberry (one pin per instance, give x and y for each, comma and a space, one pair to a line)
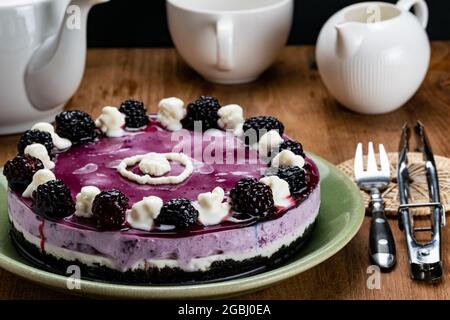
178, 212
53, 199
294, 146
203, 110
293, 175
135, 113
252, 197
35, 136
77, 126
20, 170
255, 127
109, 209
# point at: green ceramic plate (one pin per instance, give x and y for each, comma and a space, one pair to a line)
341, 215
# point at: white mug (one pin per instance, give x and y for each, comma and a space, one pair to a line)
229, 41
42, 58
373, 56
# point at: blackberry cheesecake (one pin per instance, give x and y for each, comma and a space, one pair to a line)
187, 194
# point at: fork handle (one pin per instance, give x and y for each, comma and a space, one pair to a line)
381, 242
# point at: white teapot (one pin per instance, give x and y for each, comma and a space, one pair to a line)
373, 56
42, 58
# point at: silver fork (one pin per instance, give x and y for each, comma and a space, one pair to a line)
373, 181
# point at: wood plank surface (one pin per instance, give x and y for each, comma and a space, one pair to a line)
292, 91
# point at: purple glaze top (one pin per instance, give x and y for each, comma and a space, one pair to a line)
95, 164
220, 159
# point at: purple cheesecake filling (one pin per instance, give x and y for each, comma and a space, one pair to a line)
125, 249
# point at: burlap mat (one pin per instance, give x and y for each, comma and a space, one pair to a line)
418, 185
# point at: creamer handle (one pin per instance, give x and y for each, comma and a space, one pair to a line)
224, 30
420, 9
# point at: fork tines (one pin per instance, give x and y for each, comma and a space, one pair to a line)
372, 167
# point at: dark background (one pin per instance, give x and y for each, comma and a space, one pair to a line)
142, 23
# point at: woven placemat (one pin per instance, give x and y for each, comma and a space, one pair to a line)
418, 183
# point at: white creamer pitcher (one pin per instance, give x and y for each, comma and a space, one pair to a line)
42, 58
373, 56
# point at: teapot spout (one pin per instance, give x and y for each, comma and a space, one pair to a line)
350, 36
58, 64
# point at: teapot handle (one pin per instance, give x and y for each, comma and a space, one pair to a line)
420, 9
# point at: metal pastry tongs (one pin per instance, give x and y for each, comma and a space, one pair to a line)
425, 259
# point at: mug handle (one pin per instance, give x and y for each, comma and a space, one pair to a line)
224, 31
420, 8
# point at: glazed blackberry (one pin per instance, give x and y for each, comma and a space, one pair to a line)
20, 170
35, 136
293, 175
109, 209
251, 197
294, 146
203, 110
255, 127
135, 113
77, 126
178, 212
53, 199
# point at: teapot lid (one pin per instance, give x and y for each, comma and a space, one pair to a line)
16, 3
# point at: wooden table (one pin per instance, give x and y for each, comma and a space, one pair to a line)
292, 91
